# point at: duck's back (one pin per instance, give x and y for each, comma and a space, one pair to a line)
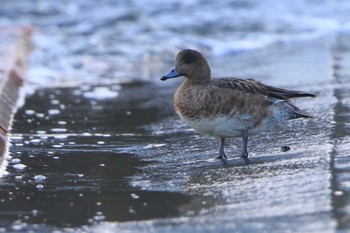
252, 86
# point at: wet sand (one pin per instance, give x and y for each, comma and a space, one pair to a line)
129, 164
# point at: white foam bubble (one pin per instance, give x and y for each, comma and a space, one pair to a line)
29, 112
58, 130
19, 166
100, 93
39, 178
15, 160
54, 111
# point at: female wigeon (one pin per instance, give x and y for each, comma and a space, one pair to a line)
228, 107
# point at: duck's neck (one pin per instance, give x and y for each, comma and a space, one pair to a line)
202, 76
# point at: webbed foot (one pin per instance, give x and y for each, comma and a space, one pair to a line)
244, 154
222, 156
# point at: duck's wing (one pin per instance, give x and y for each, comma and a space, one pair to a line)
252, 86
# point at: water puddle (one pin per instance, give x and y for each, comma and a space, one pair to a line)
73, 166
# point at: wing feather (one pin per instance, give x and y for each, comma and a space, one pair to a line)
252, 86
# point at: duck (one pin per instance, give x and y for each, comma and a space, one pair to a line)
229, 107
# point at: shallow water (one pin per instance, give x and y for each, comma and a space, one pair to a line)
97, 146
133, 40
70, 169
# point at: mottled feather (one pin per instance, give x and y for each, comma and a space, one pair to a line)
252, 86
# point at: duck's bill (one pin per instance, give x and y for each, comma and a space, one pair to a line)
173, 73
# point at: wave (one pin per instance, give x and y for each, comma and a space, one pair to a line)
80, 41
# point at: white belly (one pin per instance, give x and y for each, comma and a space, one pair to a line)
227, 127
218, 127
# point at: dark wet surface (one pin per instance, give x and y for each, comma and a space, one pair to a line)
78, 158
341, 131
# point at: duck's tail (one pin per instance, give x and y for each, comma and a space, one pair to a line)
301, 114
286, 109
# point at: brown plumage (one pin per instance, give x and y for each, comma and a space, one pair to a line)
255, 87
226, 107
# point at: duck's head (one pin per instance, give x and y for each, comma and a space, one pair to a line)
191, 64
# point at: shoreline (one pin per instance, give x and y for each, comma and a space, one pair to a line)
15, 45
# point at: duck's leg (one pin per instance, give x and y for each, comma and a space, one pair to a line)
222, 154
244, 152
